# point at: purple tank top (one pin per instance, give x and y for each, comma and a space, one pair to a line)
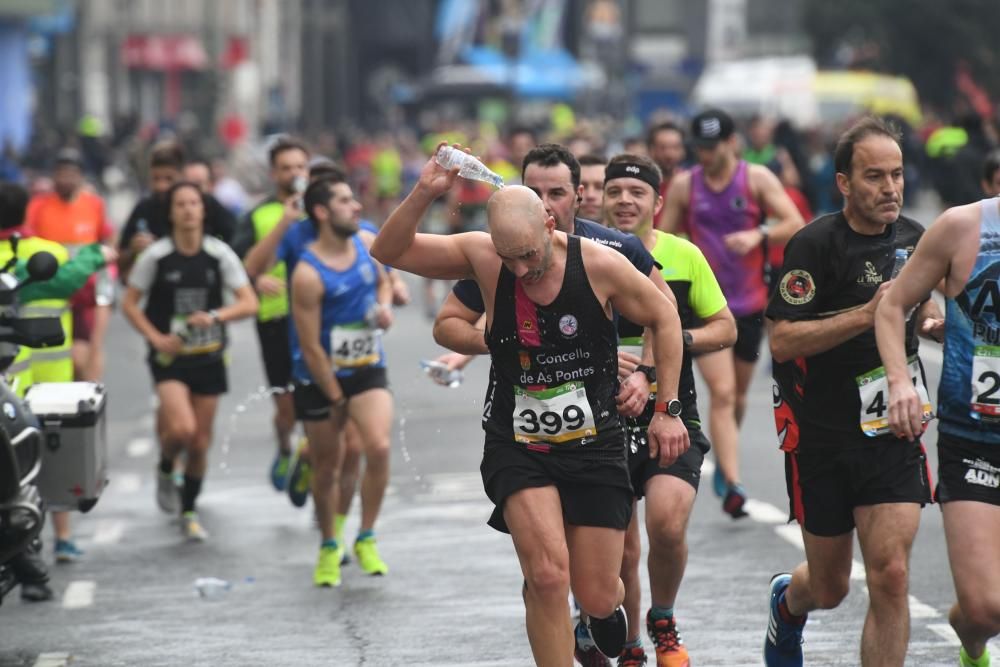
713, 215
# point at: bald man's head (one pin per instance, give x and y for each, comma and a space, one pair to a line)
521, 231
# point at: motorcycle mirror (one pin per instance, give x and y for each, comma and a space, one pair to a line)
42, 266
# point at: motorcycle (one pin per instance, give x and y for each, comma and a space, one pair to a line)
22, 509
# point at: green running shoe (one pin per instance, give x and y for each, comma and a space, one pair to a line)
965, 661
327, 572
300, 482
368, 558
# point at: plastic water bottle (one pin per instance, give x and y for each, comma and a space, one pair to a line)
897, 265
104, 288
469, 167
211, 588
299, 185
441, 374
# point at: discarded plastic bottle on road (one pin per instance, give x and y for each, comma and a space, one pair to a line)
210, 588
441, 374
897, 265
450, 157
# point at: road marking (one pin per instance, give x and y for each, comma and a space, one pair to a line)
139, 447
945, 632
108, 532
52, 660
126, 482
766, 513
79, 594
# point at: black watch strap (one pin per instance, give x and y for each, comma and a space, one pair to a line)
648, 371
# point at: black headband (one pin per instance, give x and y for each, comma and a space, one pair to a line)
632, 170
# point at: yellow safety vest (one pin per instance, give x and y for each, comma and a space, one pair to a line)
264, 218
50, 364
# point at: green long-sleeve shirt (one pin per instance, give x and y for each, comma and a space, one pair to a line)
70, 277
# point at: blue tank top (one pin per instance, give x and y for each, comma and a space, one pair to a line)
348, 296
969, 393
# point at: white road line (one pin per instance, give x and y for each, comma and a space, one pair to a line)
126, 482
108, 532
79, 594
52, 660
945, 632
766, 513
139, 447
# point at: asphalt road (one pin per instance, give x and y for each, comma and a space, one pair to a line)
452, 596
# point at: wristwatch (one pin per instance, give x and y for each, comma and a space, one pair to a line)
648, 371
688, 339
214, 314
672, 407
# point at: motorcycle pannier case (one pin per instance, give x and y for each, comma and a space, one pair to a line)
74, 442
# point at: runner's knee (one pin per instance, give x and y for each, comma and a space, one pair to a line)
599, 601
888, 579
547, 577
829, 594
983, 612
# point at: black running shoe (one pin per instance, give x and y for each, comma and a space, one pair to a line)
611, 633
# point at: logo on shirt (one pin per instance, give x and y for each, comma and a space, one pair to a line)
525, 359
738, 203
797, 287
367, 274
172, 276
568, 326
871, 276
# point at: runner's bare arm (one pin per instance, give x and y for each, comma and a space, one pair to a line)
637, 299
931, 261
792, 339
307, 300
460, 328
263, 255
675, 207
430, 255
779, 205
244, 306
717, 332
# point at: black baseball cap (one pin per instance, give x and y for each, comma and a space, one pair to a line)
710, 127
69, 155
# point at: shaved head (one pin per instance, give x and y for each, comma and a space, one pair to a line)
519, 227
514, 209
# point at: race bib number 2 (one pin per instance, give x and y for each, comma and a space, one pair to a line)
553, 415
986, 383
873, 390
353, 346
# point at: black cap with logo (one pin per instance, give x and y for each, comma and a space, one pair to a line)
710, 127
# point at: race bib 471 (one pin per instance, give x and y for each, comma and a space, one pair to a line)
873, 390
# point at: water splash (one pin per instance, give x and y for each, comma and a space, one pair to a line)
232, 423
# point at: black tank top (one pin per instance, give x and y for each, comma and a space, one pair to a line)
554, 372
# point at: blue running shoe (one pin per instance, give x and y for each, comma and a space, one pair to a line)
279, 470
719, 482
783, 645
67, 551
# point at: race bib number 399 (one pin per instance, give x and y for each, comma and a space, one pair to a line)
553, 415
986, 383
873, 390
353, 346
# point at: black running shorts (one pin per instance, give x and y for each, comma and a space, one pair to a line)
275, 350
686, 467
826, 484
967, 470
207, 380
749, 334
311, 404
594, 491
